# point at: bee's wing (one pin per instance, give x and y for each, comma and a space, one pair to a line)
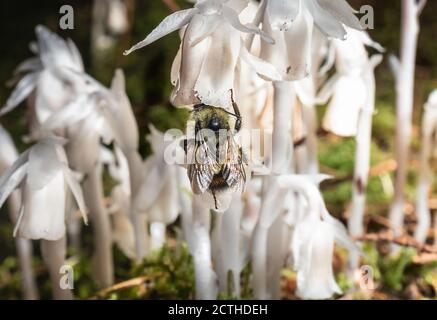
202, 166
234, 170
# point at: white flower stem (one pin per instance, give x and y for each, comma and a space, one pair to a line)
282, 151
206, 284
93, 192
24, 253
425, 176
259, 261
310, 119
404, 106
282, 116
139, 223
362, 160
53, 253
277, 238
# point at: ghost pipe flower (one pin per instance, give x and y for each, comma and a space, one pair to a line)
127, 137
313, 240
158, 194
40, 74
123, 230
306, 260
42, 173
362, 157
404, 77
84, 134
8, 155
350, 111
107, 113
347, 87
199, 72
291, 22
286, 23
429, 126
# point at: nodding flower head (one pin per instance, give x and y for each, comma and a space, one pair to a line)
42, 174
293, 21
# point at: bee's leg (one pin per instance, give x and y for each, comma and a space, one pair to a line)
184, 144
238, 123
215, 200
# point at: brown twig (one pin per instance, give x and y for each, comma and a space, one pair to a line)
131, 283
404, 240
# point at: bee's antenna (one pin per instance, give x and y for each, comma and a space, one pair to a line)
237, 112
198, 106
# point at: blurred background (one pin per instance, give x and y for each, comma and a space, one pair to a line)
148, 86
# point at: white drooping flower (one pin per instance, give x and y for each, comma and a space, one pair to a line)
204, 68
314, 236
291, 25
42, 173
348, 88
122, 228
41, 75
313, 244
8, 152
158, 195
429, 126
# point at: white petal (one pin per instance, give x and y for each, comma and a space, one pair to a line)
299, 56
191, 63
326, 22
44, 211
344, 109
274, 54
263, 68
121, 109
29, 65
51, 95
316, 281
176, 67
217, 76
305, 91
171, 23
75, 111
328, 90
23, 89
232, 17
342, 237
22, 159
8, 152
151, 185
205, 29
341, 10
77, 193
282, 13
13, 182
53, 50
44, 165
124, 235
75, 54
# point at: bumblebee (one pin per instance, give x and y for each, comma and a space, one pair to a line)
216, 163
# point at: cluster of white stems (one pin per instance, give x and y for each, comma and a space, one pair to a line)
269, 57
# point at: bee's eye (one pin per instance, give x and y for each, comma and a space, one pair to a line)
214, 124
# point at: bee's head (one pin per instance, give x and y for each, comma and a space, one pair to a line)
210, 117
